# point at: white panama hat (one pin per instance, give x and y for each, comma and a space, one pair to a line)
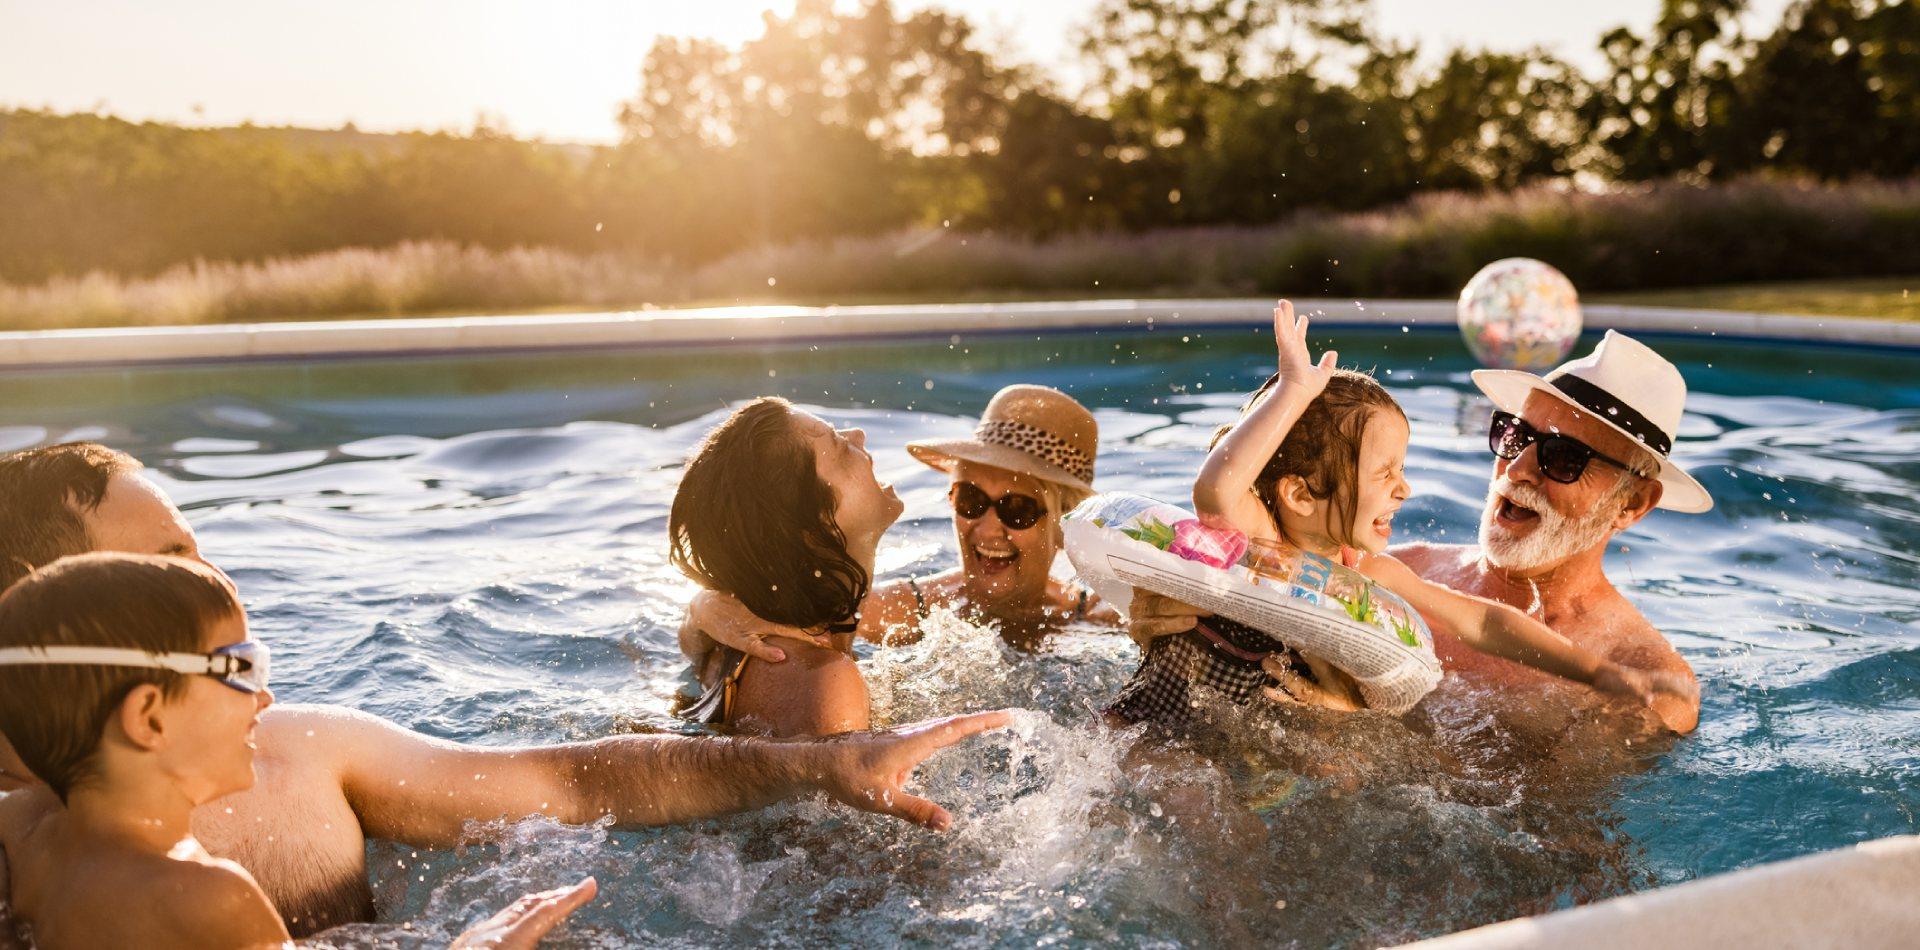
1626, 385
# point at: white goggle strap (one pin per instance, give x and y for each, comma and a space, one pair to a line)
191, 664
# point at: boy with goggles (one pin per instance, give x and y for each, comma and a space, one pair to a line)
130, 686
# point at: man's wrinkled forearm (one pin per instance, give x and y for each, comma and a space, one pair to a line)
661, 780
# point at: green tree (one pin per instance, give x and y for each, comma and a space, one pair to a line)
1667, 104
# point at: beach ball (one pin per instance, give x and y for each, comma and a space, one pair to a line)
1519, 313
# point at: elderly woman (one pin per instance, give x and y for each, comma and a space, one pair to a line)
1029, 461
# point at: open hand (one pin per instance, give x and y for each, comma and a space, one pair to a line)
1645, 685
869, 770
1335, 689
714, 617
1152, 616
1297, 368
521, 925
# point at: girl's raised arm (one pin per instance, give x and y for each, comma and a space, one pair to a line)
1223, 492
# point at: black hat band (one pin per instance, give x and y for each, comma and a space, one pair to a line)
1607, 406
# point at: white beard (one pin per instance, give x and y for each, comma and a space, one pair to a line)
1554, 538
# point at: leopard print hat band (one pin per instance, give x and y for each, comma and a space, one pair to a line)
1039, 443
1034, 430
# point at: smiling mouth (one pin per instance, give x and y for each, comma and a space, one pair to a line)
1383, 525
995, 562
1511, 513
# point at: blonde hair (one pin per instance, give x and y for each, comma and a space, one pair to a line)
1059, 500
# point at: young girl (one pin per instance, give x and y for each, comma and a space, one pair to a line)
1317, 463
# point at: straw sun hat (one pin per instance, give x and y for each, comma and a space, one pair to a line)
1033, 430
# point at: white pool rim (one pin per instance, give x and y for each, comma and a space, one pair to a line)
1858, 897
772, 325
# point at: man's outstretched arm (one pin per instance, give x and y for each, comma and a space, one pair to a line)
412, 788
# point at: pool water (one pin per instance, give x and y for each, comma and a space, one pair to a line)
476, 549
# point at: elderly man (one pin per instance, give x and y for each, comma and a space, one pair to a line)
329, 778
1581, 454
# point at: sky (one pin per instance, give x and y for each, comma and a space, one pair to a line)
555, 69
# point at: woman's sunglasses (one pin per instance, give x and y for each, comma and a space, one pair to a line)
242, 666
1561, 458
1017, 512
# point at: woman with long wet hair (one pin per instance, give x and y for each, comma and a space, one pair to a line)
782, 512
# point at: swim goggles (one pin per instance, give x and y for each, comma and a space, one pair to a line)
242, 666
1562, 458
1017, 512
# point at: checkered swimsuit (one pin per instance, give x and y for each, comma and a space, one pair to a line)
1161, 690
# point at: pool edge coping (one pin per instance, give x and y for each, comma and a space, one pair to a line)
1838, 898
404, 337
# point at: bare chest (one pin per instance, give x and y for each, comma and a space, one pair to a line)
1594, 627
296, 833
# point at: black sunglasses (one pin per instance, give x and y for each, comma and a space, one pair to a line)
1017, 512
1560, 457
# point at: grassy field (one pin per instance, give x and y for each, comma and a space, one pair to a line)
1847, 249
1896, 298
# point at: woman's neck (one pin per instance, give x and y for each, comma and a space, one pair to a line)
148, 814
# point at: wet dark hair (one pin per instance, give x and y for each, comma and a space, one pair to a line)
753, 519
55, 715
1323, 448
43, 493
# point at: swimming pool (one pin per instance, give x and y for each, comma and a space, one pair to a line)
492, 532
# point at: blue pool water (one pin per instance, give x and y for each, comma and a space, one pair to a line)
475, 549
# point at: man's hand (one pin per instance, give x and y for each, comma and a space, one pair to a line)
868, 770
714, 617
521, 925
1335, 689
1644, 685
1152, 616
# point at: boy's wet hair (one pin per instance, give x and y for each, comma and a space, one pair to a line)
55, 715
1323, 448
753, 519
43, 493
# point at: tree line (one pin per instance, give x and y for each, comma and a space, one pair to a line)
854, 121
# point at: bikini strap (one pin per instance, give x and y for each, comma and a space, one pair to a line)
919, 600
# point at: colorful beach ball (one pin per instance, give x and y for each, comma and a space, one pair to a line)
1519, 313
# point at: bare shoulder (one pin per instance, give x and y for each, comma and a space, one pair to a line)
309, 729
110, 897
1635, 641
311, 745
818, 691
1424, 556
214, 903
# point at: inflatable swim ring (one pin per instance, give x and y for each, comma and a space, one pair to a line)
1119, 541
